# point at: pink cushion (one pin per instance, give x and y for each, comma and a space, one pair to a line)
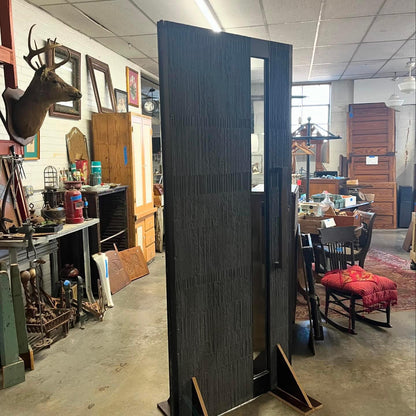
375, 291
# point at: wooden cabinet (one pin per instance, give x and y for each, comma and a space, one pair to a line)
123, 144
383, 171
384, 204
110, 206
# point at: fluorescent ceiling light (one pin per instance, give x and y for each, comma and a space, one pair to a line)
206, 11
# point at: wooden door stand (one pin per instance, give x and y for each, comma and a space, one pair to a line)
197, 406
289, 390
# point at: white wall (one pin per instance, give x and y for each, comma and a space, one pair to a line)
341, 97
53, 131
379, 90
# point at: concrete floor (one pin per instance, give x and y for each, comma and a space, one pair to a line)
120, 366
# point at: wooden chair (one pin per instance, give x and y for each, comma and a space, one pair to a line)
364, 241
352, 291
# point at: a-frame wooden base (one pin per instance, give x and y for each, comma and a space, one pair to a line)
289, 389
198, 406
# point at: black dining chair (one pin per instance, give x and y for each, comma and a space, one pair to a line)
350, 290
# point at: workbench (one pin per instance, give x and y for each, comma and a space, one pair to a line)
15, 316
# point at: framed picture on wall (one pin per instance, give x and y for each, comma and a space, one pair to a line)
132, 80
32, 150
122, 105
71, 74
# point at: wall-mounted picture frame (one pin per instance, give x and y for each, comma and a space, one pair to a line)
32, 150
102, 85
133, 87
71, 74
122, 105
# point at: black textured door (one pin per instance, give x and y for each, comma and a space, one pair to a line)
206, 127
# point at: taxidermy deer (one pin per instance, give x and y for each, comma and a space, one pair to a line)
27, 111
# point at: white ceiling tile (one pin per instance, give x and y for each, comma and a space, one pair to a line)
285, 11
259, 32
399, 6
180, 11
376, 50
74, 18
108, 13
238, 13
146, 44
300, 73
397, 65
300, 35
391, 27
351, 8
334, 54
147, 64
407, 50
331, 71
121, 47
339, 31
365, 67
302, 56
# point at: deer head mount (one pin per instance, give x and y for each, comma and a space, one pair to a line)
26, 111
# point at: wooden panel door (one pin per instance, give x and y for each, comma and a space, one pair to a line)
370, 130
123, 144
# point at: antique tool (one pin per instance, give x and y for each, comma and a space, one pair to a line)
81, 317
35, 291
28, 231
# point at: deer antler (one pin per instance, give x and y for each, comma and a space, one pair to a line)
38, 51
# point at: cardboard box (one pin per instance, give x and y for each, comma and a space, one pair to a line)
349, 200
347, 219
309, 224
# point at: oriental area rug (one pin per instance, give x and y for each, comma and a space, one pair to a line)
382, 264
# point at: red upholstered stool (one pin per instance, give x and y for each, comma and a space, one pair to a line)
349, 287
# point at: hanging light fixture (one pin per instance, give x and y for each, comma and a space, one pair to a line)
394, 100
408, 85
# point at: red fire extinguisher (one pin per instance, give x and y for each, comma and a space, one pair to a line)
73, 203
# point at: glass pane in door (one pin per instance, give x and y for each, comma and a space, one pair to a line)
257, 217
